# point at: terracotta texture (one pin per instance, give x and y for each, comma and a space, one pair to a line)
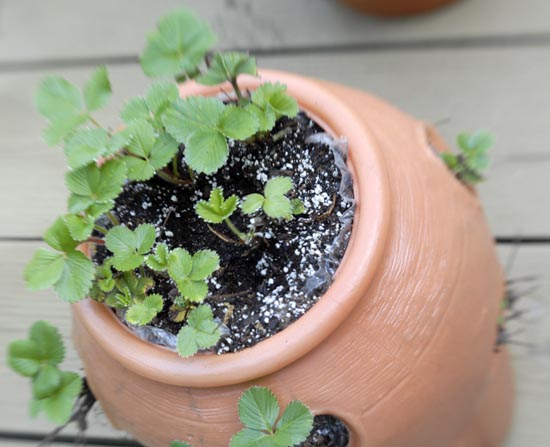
401, 346
395, 7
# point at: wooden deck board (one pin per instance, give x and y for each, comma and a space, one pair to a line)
482, 87
64, 29
476, 63
22, 307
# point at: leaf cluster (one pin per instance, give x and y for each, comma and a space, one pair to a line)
472, 159
259, 413
38, 357
273, 201
66, 107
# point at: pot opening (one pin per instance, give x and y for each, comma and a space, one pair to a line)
357, 267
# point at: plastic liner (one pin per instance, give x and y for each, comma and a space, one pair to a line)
322, 278
328, 265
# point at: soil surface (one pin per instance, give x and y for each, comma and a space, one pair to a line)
328, 431
262, 287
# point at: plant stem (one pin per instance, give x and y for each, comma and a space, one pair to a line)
192, 175
175, 169
112, 218
101, 229
95, 122
170, 179
237, 90
94, 240
235, 230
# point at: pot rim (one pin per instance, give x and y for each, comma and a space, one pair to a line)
358, 266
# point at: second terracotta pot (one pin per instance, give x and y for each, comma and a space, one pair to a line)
395, 7
400, 347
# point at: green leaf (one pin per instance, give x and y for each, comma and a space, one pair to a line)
135, 109
252, 438
196, 123
59, 237
46, 382
159, 96
227, 66
59, 406
206, 152
277, 207
179, 444
139, 169
180, 264
130, 247
266, 117
60, 130
24, 357
217, 209
200, 332
252, 203
238, 123
159, 260
155, 153
274, 102
157, 100
205, 262
297, 207
163, 151
80, 227
193, 290
48, 341
178, 45
95, 184
58, 99
295, 425
258, 409
76, 279
476, 142
97, 90
142, 313
278, 186
141, 138
86, 146
98, 209
61, 103
44, 270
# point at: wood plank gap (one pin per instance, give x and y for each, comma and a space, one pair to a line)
452, 43
67, 439
520, 240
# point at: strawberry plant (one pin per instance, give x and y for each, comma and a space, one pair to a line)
102, 161
472, 159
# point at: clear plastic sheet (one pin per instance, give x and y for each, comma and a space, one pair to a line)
323, 276
328, 265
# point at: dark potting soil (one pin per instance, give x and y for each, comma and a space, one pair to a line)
327, 431
262, 287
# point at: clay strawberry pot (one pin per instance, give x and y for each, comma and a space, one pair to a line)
395, 7
400, 347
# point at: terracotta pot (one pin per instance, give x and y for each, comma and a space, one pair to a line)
401, 346
395, 7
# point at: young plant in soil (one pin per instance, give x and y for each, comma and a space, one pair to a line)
264, 426
472, 159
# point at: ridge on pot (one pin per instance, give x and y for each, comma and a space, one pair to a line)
396, 336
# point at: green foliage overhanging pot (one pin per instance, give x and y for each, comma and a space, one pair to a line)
247, 235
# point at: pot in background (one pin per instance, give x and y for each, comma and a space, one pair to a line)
400, 347
395, 7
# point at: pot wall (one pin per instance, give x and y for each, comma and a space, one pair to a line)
409, 361
395, 7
